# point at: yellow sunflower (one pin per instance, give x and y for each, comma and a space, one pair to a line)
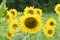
39, 11
49, 31
8, 17
30, 23
51, 22
13, 12
29, 10
9, 35
57, 9
14, 26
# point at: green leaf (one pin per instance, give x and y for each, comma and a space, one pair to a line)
1, 38
2, 8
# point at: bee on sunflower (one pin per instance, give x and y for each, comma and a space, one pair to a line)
30, 23
13, 12
29, 10
57, 9
9, 35
51, 22
14, 26
39, 11
49, 31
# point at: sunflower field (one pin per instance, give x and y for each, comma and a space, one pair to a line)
30, 22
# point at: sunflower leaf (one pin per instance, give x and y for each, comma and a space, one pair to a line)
1, 38
2, 8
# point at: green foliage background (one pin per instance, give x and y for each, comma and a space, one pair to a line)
45, 5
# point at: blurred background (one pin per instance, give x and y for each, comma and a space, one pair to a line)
45, 5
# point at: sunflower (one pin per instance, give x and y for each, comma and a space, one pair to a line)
30, 23
57, 9
13, 12
9, 35
8, 17
48, 31
14, 26
51, 22
39, 11
29, 10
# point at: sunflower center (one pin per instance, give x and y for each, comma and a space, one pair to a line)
7, 16
49, 31
30, 22
59, 9
12, 12
9, 34
15, 26
51, 23
30, 11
